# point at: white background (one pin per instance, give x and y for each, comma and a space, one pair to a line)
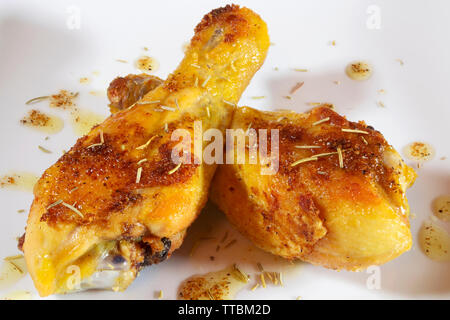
39, 55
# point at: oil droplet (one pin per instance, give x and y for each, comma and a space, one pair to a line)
219, 285
147, 64
83, 121
12, 270
43, 122
24, 181
359, 70
98, 93
18, 295
84, 80
435, 241
63, 99
441, 207
419, 151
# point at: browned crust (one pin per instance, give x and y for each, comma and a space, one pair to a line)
177, 81
359, 158
233, 22
107, 175
229, 16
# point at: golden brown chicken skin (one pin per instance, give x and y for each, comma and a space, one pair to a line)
116, 201
345, 211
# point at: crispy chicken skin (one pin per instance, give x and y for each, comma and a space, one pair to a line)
109, 211
341, 218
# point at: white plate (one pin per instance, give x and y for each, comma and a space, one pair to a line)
40, 54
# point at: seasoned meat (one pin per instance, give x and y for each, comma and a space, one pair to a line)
337, 198
118, 186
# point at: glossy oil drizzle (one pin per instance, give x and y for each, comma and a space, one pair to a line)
43, 122
83, 120
18, 295
219, 285
441, 208
24, 181
12, 270
419, 151
435, 241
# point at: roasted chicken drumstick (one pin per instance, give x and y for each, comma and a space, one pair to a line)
337, 199
116, 201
